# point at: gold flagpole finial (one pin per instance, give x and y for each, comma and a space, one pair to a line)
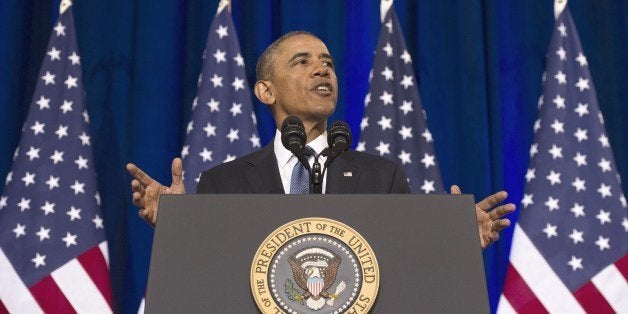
559, 6
65, 4
385, 5
223, 4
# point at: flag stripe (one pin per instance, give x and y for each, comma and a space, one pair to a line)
541, 279
612, 285
519, 295
3, 309
13, 293
140, 309
592, 300
50, 297
504, 307
104, 250
94, 264
80, 290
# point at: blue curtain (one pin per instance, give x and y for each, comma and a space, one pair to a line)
478, 63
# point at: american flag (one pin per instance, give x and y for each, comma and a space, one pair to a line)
223, 124
53, 253
394, 123
569, 246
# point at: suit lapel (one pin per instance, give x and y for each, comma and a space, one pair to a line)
343, 174
263, 175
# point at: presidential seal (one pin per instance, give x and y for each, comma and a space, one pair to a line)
314, 265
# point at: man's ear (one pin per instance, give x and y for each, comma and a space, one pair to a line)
264, 92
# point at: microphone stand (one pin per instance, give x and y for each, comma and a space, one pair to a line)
316, 178
338, 140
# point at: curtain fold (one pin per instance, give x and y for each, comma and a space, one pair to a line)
478, 66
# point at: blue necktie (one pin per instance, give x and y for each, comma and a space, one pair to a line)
300, 182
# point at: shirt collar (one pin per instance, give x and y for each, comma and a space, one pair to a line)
284, 155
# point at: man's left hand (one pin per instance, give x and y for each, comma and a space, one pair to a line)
490, 221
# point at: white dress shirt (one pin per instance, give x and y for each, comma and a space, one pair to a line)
286, 160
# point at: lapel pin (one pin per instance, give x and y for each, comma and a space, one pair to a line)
348, 174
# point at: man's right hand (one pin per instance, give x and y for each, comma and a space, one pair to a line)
146, 191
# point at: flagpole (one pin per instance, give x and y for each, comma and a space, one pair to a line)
567, 254
63, 267
385, 5
398, 129
222, 125
222, 5
559, 7
65, 4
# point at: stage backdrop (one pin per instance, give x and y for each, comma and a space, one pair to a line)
478, 64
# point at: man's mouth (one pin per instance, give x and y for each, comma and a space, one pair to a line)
323, 89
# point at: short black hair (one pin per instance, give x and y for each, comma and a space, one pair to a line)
264, 67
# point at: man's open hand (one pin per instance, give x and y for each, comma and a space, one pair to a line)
489, 216
146, 191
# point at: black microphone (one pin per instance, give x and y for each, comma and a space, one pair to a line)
293, 138
338, 139
293, 135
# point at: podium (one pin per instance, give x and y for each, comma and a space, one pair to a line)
426, 246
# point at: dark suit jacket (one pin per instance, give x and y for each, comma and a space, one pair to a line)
352, 172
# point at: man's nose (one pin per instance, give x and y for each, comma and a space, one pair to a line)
322, 69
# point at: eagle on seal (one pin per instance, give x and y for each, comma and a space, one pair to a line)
314, 270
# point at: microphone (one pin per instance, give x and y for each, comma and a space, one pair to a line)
293, 138
338, 139
293, 135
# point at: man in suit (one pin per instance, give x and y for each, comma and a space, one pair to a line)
296, 77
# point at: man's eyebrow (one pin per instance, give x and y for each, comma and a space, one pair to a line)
299, 55
326, 56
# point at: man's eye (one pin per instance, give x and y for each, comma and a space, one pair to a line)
329, 64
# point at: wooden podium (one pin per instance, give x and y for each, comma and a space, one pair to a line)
427, 249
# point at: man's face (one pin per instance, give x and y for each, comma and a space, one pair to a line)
304, 82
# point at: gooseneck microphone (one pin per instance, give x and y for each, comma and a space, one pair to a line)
338, 139
293, 138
